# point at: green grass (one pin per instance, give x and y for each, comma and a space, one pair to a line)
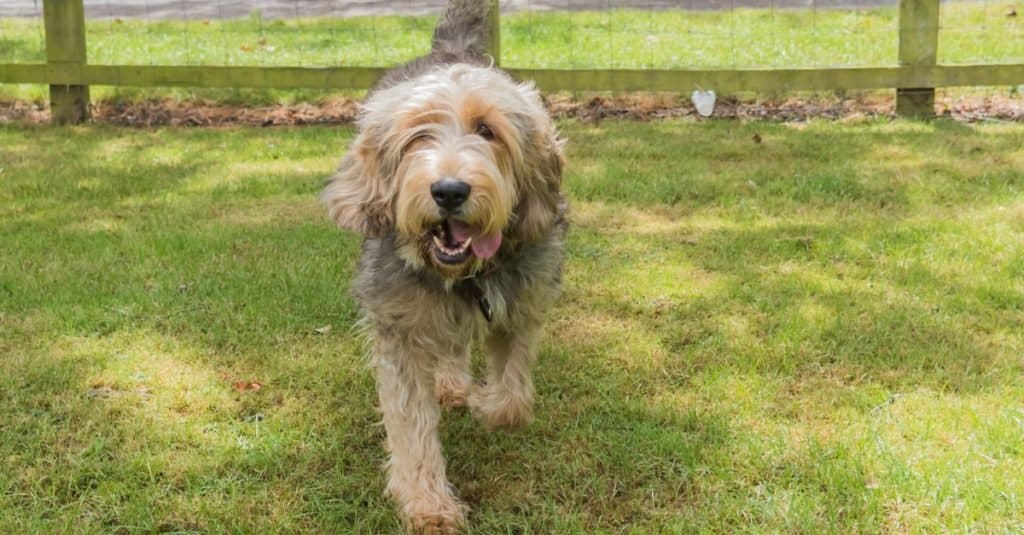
971, 33
821, 332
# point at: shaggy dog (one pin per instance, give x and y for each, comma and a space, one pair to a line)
454, 181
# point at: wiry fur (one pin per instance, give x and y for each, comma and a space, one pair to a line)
422, 123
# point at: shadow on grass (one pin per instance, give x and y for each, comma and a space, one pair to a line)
147, 285
876, 167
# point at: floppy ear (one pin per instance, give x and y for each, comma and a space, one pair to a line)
540, 197
357, 196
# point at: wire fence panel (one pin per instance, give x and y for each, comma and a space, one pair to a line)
21, 32
617, 45
536, 34
981, 32
679, 38
258, 33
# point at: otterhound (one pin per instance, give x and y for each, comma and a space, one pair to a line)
454, 180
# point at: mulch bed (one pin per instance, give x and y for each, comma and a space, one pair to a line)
641, 107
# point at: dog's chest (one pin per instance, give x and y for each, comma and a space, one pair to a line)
486, 298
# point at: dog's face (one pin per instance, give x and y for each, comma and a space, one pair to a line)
455, 163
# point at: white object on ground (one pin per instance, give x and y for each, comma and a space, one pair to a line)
704, 101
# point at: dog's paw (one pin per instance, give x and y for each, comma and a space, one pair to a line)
451, 396
434, 517
498, 408
452, 391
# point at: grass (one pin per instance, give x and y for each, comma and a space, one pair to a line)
820, 332
971, 33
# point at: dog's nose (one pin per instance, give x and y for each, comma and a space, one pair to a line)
449, 193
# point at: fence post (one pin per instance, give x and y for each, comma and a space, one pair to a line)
494, 37
919, 40
64, 21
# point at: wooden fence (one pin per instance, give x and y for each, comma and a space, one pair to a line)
915, 77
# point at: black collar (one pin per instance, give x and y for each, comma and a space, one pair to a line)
473, 290
476, 293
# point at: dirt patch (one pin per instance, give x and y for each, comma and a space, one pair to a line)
640, 107
169, 112
646, 107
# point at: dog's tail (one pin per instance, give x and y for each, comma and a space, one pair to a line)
462, 34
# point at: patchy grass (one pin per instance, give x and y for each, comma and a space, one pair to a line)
971, 32
820, 332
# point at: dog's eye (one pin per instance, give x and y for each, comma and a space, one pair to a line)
484, 131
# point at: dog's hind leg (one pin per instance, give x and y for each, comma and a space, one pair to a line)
416, 469
506, 400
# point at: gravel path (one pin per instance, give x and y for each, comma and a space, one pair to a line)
227, 9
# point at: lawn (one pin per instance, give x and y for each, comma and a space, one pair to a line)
971, 32
821, 331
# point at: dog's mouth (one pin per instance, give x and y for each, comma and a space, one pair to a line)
454, 242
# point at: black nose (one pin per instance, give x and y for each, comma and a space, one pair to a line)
449, 194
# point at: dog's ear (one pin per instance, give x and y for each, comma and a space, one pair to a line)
540, 188
357, 195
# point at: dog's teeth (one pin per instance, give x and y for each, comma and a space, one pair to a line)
440, 243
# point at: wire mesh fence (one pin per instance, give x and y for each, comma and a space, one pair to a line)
981, 32
21, 32
542, 34
665, 45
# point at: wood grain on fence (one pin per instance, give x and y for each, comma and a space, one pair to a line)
773, 80
918, 47
64, 21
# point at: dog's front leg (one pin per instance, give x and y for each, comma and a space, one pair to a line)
453, 379
506, 400
416, 469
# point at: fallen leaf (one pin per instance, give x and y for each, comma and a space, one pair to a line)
247, 386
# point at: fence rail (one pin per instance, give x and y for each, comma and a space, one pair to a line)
915, 77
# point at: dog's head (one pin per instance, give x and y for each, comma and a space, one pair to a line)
454, 163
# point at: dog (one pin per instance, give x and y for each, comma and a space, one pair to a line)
454, 180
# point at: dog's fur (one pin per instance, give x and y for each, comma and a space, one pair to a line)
451, 115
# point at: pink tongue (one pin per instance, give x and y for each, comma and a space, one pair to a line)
483, 246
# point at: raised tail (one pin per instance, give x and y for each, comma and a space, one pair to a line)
463, 32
